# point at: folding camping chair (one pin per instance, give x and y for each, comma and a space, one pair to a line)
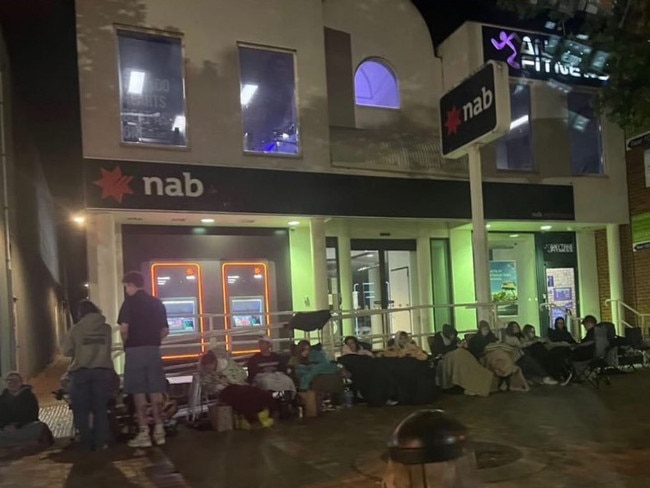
593, 370
309, 322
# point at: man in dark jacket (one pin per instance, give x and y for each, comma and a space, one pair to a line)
19, 415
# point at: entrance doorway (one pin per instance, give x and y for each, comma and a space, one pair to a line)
383, 277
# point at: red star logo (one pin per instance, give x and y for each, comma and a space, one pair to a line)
453, 120
114, 184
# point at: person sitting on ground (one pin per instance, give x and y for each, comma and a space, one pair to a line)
458, 367
559, 332
351, 345
404, 347
93, 381
219, 374
529, 365
19, 424
554, 359
265, 369
315, 372
498, 358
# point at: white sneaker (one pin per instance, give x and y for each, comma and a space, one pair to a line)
159, 435
568, 379
141, 440
549, 381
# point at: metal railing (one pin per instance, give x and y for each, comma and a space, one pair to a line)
624, 311
215, 334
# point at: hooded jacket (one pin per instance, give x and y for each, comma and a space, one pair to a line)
19, 409
89, 343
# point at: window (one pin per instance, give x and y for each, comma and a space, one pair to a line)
268, 101
584, 134
152, 91
514, 150
375, 85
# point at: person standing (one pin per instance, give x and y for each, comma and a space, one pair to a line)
143, 325
93, 380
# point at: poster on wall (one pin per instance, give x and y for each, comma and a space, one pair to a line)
641, 232
503, 286
561, 292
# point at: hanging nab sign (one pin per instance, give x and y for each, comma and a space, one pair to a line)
476, 111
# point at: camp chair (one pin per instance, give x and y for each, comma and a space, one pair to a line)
593, 370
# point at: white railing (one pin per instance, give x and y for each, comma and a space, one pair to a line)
331, 336
621, 310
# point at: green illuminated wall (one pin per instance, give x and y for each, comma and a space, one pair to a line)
460, 242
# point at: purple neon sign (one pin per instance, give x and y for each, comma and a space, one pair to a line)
525, 53
506, 40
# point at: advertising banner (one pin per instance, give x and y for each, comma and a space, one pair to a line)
503, 286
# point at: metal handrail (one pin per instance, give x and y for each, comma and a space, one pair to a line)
621, 307
330, 339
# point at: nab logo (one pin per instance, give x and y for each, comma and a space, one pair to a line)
115, 185
455, 116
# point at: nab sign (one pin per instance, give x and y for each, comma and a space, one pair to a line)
477, 111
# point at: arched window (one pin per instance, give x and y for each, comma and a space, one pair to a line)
375, 85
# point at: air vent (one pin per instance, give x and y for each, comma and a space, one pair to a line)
134, 219
247, 221
178, 219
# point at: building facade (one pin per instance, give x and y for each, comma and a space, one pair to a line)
34, 312
248, 164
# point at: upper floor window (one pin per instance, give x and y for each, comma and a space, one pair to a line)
584, 134
375, 85
268, 101
152, 88
514, 150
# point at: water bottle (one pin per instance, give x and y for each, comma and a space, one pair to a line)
348, 397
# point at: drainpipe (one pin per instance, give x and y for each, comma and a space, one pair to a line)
7, 323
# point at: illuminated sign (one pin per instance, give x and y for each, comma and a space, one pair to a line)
543, 56
476, 111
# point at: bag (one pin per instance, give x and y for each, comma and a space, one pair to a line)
221, 417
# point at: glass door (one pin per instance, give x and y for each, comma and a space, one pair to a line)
383, 278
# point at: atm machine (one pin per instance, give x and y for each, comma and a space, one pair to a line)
246, 298
179, 286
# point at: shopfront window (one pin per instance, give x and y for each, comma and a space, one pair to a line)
268, 101
152, 92
585, 135
513, 277
514, 150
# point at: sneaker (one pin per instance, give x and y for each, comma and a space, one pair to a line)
141, 440
159, 435
470, 393
391, 403
568, 379
265, 419
549, 381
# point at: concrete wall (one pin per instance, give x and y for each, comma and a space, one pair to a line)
210, 31
377, 28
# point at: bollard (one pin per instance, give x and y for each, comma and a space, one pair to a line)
429, 449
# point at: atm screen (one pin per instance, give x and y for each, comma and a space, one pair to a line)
179, 286
247, 311
181, 315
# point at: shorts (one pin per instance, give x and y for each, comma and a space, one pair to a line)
143, 370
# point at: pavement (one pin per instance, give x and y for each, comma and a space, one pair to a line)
571, 436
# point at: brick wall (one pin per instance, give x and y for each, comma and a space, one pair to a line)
639, 199
603, 275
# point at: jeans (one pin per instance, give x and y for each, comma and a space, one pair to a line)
90, 391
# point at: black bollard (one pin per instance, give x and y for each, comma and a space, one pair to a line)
429, 449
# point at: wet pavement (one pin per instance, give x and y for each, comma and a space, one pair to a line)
550, 437
571, 436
